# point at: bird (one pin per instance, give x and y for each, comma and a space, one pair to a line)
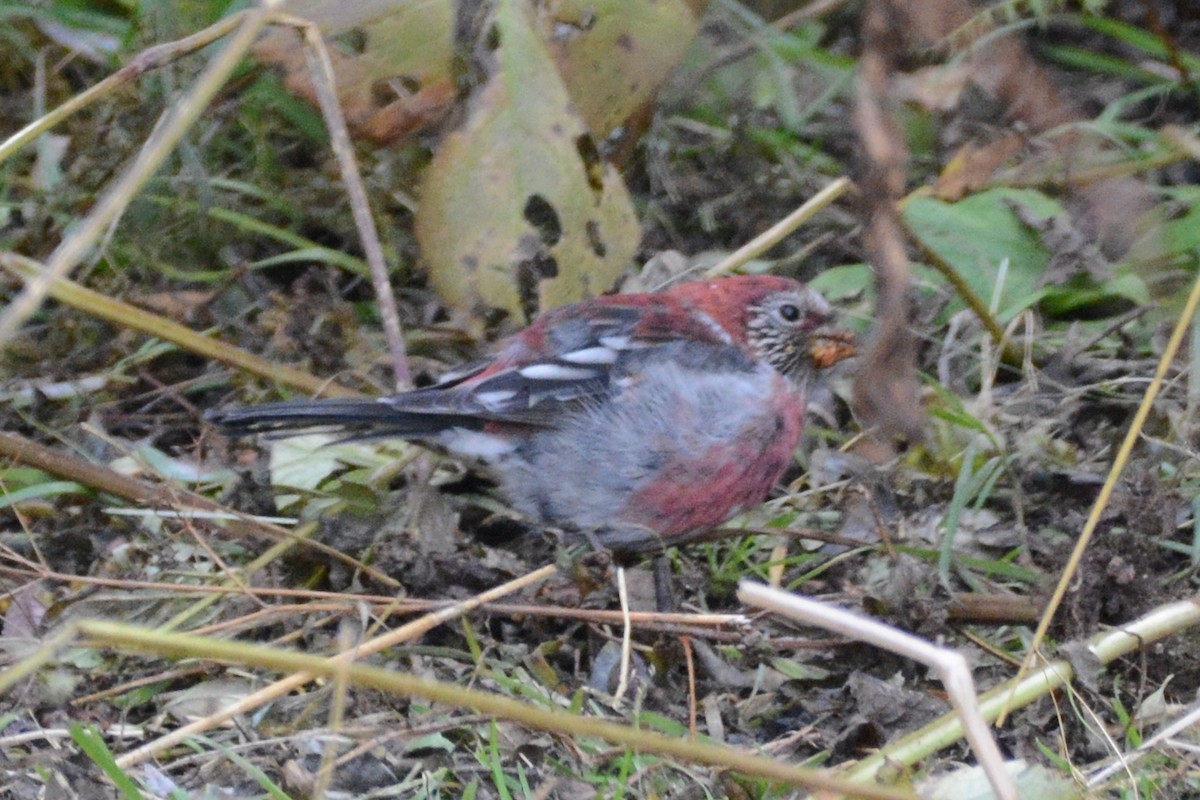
639, 420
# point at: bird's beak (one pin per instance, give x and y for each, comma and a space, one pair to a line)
827, 348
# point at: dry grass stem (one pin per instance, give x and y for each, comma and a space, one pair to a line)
780, 230
112, 204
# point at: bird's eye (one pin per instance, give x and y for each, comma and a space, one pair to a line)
789, 313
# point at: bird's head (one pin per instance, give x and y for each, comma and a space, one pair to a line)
778, 320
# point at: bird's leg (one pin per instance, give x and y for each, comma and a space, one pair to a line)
662, 584
638, 540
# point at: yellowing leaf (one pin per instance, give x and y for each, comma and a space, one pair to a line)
518, 212
613, 55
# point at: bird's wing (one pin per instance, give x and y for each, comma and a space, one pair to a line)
562, 361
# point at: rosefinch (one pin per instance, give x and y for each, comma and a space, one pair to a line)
641, 419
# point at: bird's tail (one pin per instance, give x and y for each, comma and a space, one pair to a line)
367, 419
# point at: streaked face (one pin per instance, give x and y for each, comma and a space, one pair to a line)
790, 330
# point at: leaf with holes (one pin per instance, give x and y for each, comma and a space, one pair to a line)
518, 211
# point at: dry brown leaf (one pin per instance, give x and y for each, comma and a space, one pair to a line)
972, 167
935, 88
391, 61
188, 306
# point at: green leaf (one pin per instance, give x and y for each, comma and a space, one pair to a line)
269, 94
840, 283
1151, 44
432, 741
664, 725
976, 235
1183, 234
1083, 297
796, 671
91, 743
1082, 59
39, 491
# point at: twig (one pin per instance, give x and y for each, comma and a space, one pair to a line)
321, 70
1188, 720
780, 230
106, 480
626, 640
695, 624
886, 390
150, 59
1106, 647
106, 308
951, 666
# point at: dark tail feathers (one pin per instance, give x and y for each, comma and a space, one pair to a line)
356, 418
